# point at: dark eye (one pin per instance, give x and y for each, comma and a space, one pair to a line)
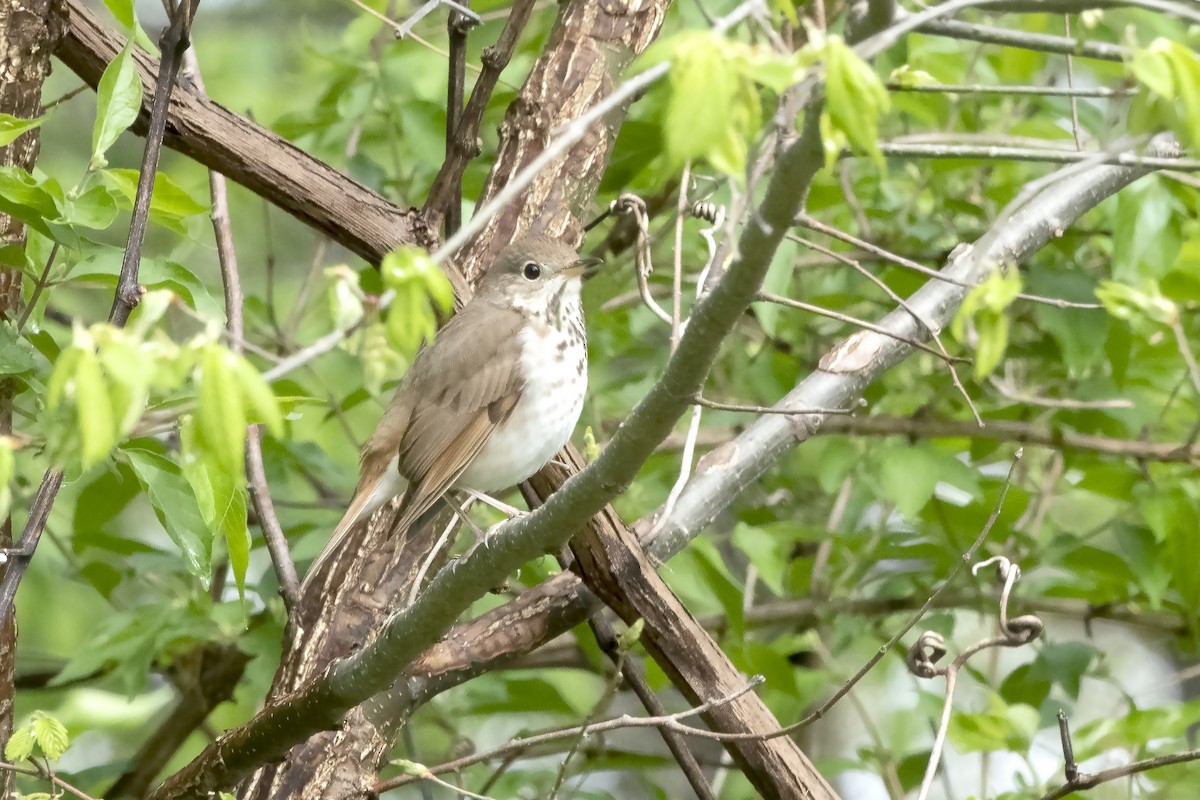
531, 271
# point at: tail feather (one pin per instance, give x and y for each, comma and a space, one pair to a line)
367, 500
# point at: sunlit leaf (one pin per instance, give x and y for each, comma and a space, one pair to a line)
51, 735
20, 745
118, 102
12, 127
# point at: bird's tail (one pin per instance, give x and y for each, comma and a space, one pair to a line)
365, 504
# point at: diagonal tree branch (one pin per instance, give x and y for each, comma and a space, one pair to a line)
266, 164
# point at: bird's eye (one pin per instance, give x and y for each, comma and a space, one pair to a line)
531, 271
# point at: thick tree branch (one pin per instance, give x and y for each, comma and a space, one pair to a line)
249, 154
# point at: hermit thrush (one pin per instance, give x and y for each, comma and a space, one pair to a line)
492, 399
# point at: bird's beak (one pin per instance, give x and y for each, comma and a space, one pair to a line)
585, 267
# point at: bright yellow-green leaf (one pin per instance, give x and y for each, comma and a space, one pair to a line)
19, 746
258, 397
51, 735
703, 89
1127, 303
991, 341
93, 407
169, 198
854, 95
1171, 70
221, 418
118, 102
11, 127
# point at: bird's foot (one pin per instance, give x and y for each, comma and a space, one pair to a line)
481, 537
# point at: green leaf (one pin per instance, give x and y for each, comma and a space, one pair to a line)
1171, 70
257, 396
703, 89
908, 476
51, 735
24, 197
991, 340
169, 198
19, 746
1134, 305
12, 127
96, 209
175, 505
768, 553
221, 417
118, 102
94, 410
16, 353
855, 96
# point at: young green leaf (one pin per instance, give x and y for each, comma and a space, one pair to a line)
51, 735
12, 127
118, 102
703, 89
94, 410
20, 745
855, 96
258, 397
221, 417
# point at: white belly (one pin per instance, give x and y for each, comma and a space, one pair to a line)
544, 417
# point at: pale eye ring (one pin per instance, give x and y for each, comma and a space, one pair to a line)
531, 271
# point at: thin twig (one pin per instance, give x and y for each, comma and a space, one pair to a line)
1009, 89
636, 680
1037, 155
816, 225
173, 43
231, 282
54, 779
932, 330
457, 25
1071, 86
767, 297
670, 721
464, 145
38, 286
1010, 392
787, 412
677, 276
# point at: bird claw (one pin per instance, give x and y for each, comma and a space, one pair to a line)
481, 537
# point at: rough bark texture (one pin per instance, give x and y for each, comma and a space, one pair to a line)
266, 164
29, 31
590, 45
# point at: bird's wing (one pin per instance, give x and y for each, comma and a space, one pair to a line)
475, 388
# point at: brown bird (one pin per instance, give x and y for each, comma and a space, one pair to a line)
492, 399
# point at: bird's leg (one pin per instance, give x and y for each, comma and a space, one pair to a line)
503, 508
461, 513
